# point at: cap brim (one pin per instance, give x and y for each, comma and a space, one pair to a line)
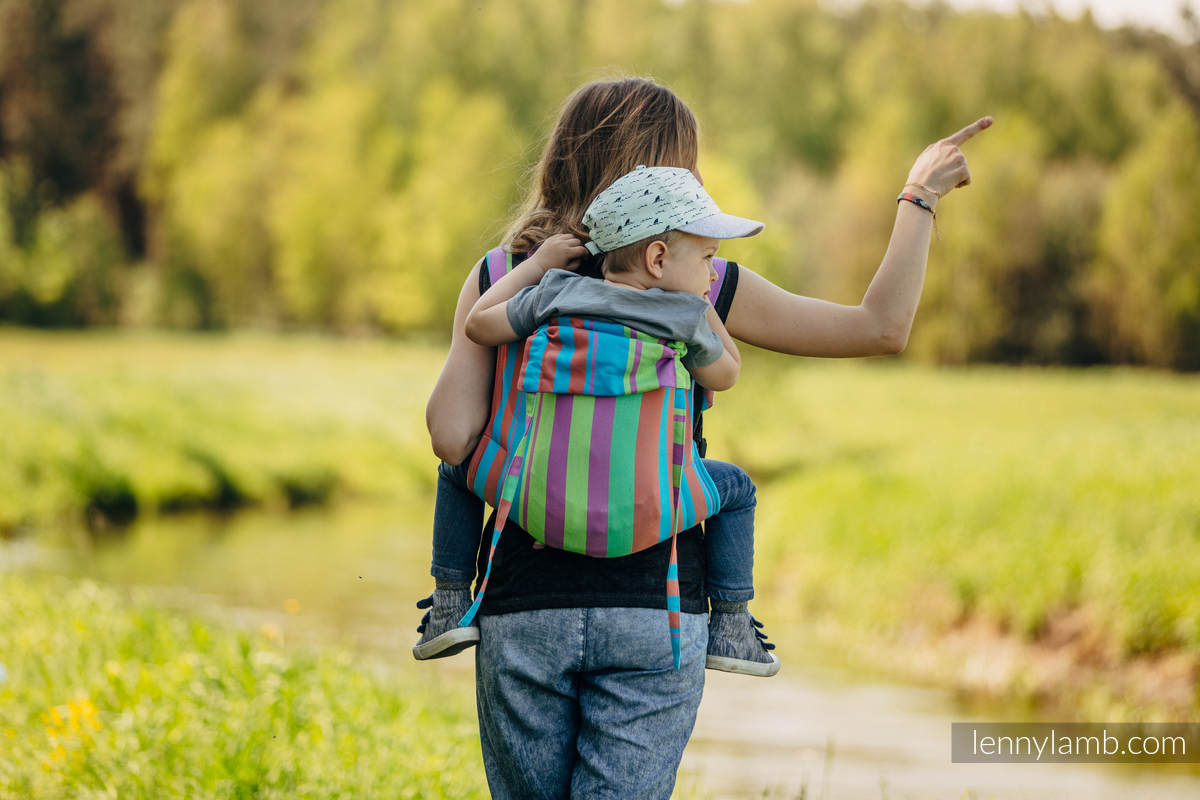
723, 226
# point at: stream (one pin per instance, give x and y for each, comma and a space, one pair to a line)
349, 577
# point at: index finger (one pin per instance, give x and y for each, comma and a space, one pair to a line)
966, 133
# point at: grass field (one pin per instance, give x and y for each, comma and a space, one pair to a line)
104, 696
99, 428
1052, 504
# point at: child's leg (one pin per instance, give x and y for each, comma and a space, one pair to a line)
729, 536
457, 528
735, 642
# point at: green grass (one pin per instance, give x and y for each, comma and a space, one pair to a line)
895, 496
109, 697
891, 497
103, 427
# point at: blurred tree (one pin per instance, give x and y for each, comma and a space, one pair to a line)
340, 163
1145, 290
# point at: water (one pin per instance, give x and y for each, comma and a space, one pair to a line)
350, 577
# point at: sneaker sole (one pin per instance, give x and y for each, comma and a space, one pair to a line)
741, 666
449, 643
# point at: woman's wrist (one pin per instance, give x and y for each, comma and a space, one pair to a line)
535, 267
923, 192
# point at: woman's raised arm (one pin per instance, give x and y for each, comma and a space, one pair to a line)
458, 407
767, 316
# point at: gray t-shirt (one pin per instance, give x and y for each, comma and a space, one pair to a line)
678, 316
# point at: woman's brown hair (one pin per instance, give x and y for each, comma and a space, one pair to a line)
605, 129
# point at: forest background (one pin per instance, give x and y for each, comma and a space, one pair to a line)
338, 165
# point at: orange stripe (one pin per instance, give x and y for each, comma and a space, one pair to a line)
647, 500
498, 380
578, 365
550, 358
510, 402
491, 487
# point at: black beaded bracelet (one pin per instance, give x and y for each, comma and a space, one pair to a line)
912, 198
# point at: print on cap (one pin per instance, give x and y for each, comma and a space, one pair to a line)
653, 200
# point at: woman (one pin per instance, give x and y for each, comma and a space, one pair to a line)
573, 693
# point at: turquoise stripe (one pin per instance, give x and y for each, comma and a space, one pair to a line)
666, 427
711, 496
485, 466
562, 364
533, 367
687, 513
672, 572
673, 603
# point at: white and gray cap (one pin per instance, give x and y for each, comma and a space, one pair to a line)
653, 200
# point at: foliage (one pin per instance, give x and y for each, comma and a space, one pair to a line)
104, 697
339, 164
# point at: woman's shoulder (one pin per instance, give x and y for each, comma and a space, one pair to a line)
495, 263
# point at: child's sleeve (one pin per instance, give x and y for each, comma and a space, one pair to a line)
704, 346
522, 310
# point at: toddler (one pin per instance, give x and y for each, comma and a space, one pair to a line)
659, 231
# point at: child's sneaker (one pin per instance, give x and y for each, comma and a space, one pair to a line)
441, 635
736, 643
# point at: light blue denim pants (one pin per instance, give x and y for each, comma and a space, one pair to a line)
584, 702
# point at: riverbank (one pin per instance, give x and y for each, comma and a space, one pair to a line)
1024, 534
101, 428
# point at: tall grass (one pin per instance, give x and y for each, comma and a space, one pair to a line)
103, 697
102, 427
893, 495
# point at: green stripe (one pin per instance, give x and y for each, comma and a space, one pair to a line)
621, 475
539, 458
629, 356
647, 377
575, 531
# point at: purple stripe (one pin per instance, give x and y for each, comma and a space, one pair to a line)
637, 363
598, 467
556, 481
666, 370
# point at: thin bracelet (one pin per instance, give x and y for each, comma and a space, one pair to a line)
915, 200
923, 186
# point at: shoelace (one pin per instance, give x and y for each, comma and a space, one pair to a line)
762, 636
427, 602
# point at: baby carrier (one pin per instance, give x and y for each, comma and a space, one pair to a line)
603, 462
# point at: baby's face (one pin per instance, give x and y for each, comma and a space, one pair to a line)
688, 264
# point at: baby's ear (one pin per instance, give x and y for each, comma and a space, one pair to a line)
653, 258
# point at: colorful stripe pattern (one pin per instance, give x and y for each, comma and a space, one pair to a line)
602, 461
605, 454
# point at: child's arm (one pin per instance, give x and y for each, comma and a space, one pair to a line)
487, 323
723, 373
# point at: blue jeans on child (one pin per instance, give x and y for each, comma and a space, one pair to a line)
457, 525
728, 537
584, 702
